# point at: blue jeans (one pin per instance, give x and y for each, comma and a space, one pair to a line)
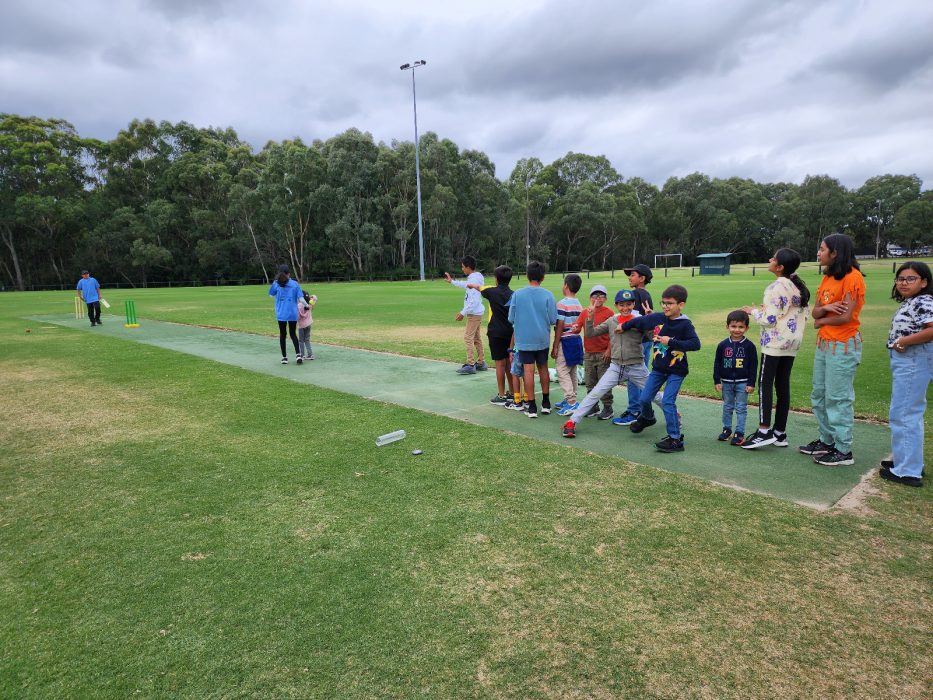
634, 393
735, 399
671, 384
911, 373
833, 396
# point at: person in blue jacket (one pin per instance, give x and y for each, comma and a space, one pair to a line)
286, 292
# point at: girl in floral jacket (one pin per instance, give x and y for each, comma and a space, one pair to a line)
782, 317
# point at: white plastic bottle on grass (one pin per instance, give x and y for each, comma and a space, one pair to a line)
390, 437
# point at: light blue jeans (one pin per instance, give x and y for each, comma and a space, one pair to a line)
911, 373
634, 393
671, 383
833, 396
734, 399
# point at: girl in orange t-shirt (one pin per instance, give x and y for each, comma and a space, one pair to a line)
839, 299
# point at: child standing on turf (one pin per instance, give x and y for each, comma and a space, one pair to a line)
568, 346
783, 317
839, 299
627, 361
499, 331
305, 304
472, 311
596, 356
533, 313
674, 336
734, 370
638, 277
911, 345
286, 292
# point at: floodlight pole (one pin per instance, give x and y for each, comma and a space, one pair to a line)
414, 100
878, 234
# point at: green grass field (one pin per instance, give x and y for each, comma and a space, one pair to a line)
172, 526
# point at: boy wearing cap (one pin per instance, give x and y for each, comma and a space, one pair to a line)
638, 277
89, 290
595, 352
625, 352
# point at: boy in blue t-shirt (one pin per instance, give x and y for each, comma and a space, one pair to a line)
533, 313
88, 289
674, 337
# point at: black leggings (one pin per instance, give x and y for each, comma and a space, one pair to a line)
774, 376
291, 332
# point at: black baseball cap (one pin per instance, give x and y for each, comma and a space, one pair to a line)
642, 270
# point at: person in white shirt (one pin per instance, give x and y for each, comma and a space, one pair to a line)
472, 311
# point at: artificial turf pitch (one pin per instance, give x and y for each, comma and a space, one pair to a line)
432, 386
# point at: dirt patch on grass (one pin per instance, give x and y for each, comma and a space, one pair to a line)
856, 501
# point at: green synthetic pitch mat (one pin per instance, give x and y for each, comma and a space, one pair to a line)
433, 386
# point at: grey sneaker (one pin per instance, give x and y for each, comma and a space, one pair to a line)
817, 448
467, 369
605, 414
593, 412
481, 366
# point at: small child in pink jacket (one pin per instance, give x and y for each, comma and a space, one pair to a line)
304, 325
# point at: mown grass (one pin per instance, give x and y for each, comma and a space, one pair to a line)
170, 526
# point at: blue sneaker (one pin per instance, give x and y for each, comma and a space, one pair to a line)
625, 419
467, 369
558, 407
569, 409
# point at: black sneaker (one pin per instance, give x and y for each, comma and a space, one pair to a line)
299, 359
816, 448
760, 439
669, 444
738, 439
834, 458
284, 360
888, 475
545, 406
642, 423
593, 412
780, 439
605, 414
532, 410
889, 464
724, 435
499, 400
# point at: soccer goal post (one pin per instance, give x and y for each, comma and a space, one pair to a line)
666, 260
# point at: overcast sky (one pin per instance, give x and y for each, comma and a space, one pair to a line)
755, 88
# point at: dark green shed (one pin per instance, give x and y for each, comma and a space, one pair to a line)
714, 263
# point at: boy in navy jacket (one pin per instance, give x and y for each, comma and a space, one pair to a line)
674, 336
734, 372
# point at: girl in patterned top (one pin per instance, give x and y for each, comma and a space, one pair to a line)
911, 344
782, 317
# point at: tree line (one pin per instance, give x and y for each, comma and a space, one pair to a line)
170, 202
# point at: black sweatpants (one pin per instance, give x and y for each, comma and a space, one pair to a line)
774, 376
93, 312
291, 332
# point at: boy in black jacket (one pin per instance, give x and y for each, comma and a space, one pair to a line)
674, 336
734, 372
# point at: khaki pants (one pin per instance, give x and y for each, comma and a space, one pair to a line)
594, 366
566, 376
472, 338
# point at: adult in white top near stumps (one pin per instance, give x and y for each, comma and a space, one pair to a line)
472, 311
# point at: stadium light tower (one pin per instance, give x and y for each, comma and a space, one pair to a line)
414, 99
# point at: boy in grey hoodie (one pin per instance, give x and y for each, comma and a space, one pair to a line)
627, 359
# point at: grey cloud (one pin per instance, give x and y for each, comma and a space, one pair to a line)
883, 62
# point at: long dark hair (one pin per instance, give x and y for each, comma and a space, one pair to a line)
922, 269
282, 278
789, 259
845, 261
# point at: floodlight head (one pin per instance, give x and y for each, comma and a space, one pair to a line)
404, 66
